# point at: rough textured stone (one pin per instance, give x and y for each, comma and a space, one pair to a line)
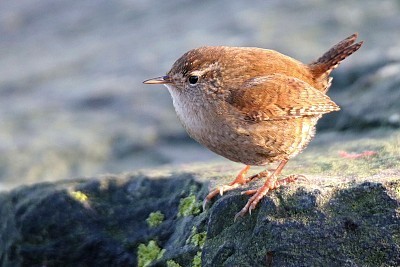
345, 214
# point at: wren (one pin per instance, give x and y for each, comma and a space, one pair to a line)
253, 105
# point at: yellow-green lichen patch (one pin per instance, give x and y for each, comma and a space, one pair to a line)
197, 260
172, 263
148, 253
155, 219
79, 196
189, 206
197, 239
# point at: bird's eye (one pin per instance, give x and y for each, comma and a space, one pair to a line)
193, 79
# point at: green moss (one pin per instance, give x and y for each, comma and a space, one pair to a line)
189, 206
362, 202
197, 260
198, 239
366, 255
148, 253
172, 263
155, 219
291, 207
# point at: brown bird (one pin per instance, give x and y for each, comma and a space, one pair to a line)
252, 105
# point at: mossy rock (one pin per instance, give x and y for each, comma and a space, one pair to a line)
337, 217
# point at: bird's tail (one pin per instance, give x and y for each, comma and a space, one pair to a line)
323, 66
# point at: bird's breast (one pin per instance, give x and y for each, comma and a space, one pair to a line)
216, 128
198, 116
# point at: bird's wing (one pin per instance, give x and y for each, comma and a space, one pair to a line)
279, 97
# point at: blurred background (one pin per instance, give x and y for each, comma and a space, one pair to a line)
72, 102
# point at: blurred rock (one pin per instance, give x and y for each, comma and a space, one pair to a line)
369, 97
71, 75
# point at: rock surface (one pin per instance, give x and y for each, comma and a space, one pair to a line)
345, 214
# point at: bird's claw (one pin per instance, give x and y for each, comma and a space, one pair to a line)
221, 191
238, 215
205, 201
243, 212
249, 192
303, 178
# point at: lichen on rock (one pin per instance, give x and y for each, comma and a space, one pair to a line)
189, 206
149, 253
155, 219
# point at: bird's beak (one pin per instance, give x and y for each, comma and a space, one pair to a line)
159, 80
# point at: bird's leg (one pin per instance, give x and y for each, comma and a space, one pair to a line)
240, 180
271, 183
258, 175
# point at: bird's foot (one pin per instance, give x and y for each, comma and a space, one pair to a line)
257, 194
239, 180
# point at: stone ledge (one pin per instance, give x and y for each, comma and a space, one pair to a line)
343, 215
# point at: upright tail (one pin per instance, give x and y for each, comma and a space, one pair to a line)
322, 67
